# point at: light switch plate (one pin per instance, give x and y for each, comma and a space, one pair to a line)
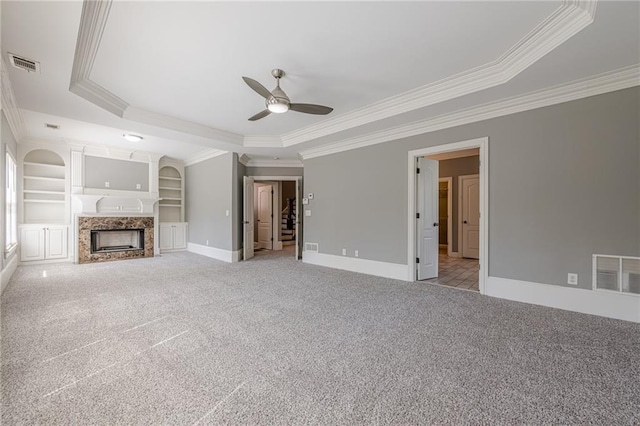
106, 184
572, 279
305, 201
307, 212
138, 186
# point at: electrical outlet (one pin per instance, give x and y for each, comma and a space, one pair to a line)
307, 212
106, 184
572, 279
356, 253
344, 252
207, 242
226, 212
138, 186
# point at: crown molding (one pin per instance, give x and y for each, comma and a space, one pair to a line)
172, 123
10, 106
203, 156
262, 142
603, 83
274, 163
244, 159
560, 26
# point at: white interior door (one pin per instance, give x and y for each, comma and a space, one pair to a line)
299, 215
247, 245
265, 216
427, 222
470, 190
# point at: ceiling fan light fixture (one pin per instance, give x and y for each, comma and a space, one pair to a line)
132, 138
278, 107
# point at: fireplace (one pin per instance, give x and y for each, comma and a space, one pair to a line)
106, 238
117, 240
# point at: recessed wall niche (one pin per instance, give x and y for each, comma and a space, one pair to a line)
120, 174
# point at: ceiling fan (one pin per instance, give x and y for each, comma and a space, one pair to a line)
278, 102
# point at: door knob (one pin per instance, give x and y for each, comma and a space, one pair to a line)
464, 221
435, 224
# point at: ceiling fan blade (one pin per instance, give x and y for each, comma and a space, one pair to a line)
311, 109
259, 88
261, 114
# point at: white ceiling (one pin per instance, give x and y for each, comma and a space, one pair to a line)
185, 60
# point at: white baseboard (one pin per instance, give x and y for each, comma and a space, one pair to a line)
215, 253
455, 254
7, 272
605, 304
277, 245
353, 264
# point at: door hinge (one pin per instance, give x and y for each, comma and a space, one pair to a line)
272, 192
417, 260
417, 215
271, 238
418, 170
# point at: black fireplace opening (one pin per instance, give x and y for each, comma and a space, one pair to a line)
110, 240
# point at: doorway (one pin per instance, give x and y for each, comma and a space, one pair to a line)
447, 243
270, 223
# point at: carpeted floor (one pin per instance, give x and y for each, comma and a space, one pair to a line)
184, 339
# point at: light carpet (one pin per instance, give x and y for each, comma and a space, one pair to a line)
184, 339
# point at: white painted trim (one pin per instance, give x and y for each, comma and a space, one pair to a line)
460, 179
483, 144
591, 86
203, 156
274, 163
606, 304
287, 178
449, 181
567, 20
560, 26
215, 253
363, 266
10, 106
244, 159
8, 271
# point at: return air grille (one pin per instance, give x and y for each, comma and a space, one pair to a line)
24, 63
311, 247
616, 273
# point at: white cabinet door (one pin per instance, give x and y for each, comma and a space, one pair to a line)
55, 242
180, 236
31, 244
166, 236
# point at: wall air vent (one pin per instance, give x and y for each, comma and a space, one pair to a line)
24, 63
52, 126
311, 247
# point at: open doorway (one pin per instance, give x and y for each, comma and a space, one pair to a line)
447, 241
271, 224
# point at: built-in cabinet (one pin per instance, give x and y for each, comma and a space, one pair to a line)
44, 228
43, 242
173, 236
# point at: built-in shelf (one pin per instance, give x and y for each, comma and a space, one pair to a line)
33, 191
44, 201
171, 185
44, 187
44, 178
53, 166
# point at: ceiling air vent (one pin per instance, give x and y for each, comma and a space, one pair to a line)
24, 63
52, 126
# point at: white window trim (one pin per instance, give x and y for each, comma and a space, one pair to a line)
10, 248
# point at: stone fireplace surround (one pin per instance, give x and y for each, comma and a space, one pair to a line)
86, 224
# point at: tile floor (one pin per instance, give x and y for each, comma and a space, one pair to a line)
457, 272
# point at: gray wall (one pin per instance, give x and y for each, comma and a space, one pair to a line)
564, 183
455, 168
209, 187
8, 142
121, 174
275, 171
